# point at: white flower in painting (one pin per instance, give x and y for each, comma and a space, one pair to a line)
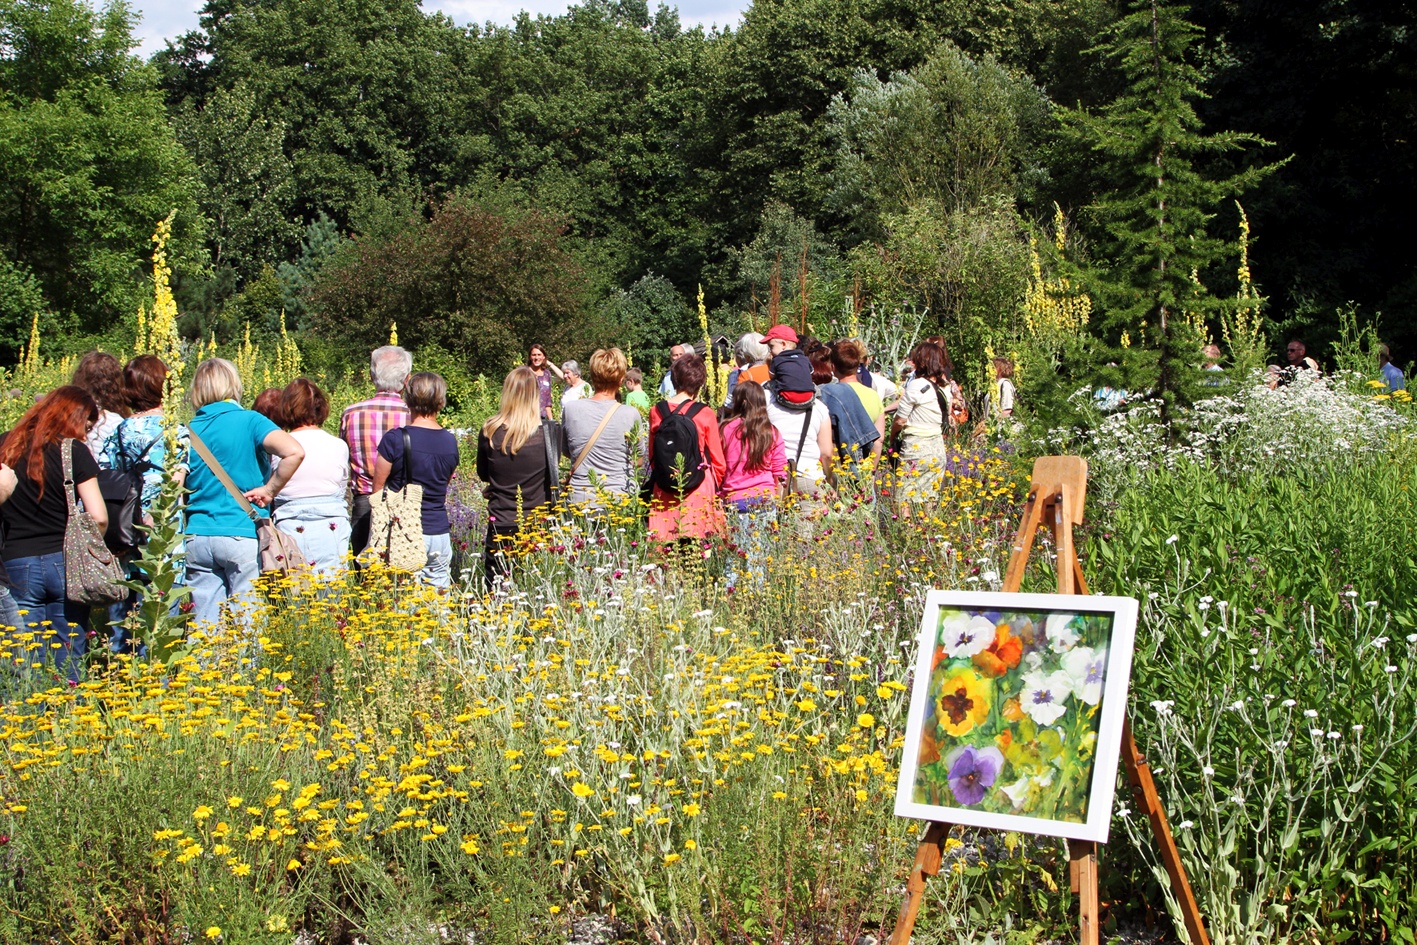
1061, 637
1043, 696
963, 635
1086, 667
1018, 791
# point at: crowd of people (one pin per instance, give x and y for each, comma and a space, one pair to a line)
801, 419
801, 422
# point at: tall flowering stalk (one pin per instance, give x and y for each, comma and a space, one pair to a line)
1243, 326
157, 332
1053, 308
159, 620
287, 361
245, 359
29, 354
717, 384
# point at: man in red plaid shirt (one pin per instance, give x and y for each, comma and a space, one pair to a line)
364, 424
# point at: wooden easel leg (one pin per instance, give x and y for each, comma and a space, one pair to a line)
1082, 868
1145, 797
928, 856
1023, 542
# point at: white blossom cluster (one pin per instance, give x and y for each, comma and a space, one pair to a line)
1305, 426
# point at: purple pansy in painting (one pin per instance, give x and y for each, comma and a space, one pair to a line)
972, 772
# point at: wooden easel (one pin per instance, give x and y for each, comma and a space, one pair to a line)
1056, 496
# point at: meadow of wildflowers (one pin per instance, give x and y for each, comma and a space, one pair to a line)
619, 735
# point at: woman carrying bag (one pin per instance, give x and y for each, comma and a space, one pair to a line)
921, 421
223, 550
36, 518
422, 454
599, 434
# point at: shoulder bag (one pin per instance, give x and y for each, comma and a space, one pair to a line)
92, 574
276, 550
396, 520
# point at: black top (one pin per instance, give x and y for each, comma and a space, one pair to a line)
35, 526
509, 475
435, 456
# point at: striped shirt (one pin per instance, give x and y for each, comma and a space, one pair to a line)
362, 426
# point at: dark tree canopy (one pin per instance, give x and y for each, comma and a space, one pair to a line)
475, 282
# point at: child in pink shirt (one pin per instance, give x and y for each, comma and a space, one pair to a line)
753, 450
757, 467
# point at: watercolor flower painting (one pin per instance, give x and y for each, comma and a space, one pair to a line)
1012, 717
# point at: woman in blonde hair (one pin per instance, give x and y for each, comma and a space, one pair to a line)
515, 457
222, 554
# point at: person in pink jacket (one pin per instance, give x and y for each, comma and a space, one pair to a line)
698, 514
756, 469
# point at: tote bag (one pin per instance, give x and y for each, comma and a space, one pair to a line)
396, 521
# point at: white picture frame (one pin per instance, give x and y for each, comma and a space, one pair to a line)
1019, 734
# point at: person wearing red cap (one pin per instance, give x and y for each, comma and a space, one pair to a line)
779, 338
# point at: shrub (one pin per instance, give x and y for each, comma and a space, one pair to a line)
480, 284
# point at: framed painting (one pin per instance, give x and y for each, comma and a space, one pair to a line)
1016, 712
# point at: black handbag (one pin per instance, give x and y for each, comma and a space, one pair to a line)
122, 491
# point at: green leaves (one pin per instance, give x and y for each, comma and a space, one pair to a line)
88, 164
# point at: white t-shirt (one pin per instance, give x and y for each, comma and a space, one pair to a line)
325, 469
920, 408
789, 424
884, 386
571, 394
1006, 394
107, 425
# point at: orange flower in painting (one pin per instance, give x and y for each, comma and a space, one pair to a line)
929, 749
1012, 710
1004, 739
939, 658
1003, 654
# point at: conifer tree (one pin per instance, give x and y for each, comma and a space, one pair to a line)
1156, 204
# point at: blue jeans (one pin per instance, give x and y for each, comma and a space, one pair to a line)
439, 569
320, 525
39, 590
220, 568
9, 610
753, 523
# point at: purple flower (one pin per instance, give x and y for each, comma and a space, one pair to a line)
972, 772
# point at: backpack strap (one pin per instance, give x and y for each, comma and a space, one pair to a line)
944, 408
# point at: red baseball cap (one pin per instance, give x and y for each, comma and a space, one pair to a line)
781, 333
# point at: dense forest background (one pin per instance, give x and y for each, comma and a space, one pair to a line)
576, 179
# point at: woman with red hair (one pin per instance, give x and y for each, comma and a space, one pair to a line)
37, 511
312, 508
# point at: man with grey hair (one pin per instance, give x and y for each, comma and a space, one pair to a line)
364, 424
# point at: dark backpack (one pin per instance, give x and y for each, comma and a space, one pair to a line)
122, 491
678, 466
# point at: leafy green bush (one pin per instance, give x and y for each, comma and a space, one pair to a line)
1272, 685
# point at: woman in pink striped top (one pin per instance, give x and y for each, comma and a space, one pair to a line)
757, 467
